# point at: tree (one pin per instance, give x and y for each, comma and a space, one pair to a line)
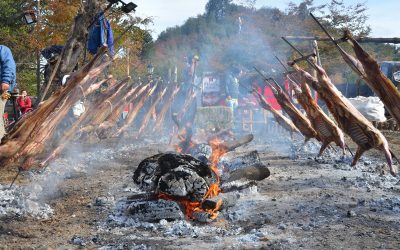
213, 35
217, 9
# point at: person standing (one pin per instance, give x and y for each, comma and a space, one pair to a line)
7, 80
232, 89
24, 103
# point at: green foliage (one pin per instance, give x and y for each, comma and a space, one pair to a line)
55, 24
218, 9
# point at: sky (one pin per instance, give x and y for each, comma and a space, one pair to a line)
169, 13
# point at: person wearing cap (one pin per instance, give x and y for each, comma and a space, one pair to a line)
7, 80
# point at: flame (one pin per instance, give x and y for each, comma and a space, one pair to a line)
178, 149
214, 189
181, 148
218, 150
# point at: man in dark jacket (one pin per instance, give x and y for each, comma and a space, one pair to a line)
7, 80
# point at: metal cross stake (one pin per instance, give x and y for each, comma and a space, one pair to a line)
335, 42
15, 178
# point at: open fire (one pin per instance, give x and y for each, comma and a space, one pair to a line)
193, 183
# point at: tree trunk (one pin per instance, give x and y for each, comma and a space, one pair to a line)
75, 44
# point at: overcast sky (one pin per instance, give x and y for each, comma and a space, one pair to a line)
383, 14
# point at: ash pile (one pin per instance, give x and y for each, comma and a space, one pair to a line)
19, 202
176, 186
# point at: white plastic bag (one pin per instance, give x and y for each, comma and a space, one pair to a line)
371, 107
78, 109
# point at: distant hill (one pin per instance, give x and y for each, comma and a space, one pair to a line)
229, 35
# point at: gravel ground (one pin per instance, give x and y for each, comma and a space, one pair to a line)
306, 203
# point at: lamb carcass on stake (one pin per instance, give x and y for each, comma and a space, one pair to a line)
368, 69
298, 119
84, 119
327, 130
137, 106
34, 133
151, 110
280, 119
376, 79
166, 105
108, 106
350, 120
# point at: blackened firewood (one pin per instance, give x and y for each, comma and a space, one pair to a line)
153, 211
256, 173
142, 197
232, 145
228, 200
234, 186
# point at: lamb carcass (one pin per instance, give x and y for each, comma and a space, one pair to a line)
327, 130
280, 119
350, 120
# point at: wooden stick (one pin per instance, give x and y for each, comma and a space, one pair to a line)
394, 40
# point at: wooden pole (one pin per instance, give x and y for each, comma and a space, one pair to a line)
395, 40
38, 80
128, 66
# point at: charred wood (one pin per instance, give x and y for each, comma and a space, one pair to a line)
222, 201
154, 211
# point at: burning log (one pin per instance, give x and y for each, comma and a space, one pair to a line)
233, 160
368, 69
34, 133
201, 151
222, 201
142, 197
280, 119
150, 170
255, 172
180, 178
350, 120
246, 165
186, 180
233, 144
237, 186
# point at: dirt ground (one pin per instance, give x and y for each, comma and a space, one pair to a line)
306, 203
